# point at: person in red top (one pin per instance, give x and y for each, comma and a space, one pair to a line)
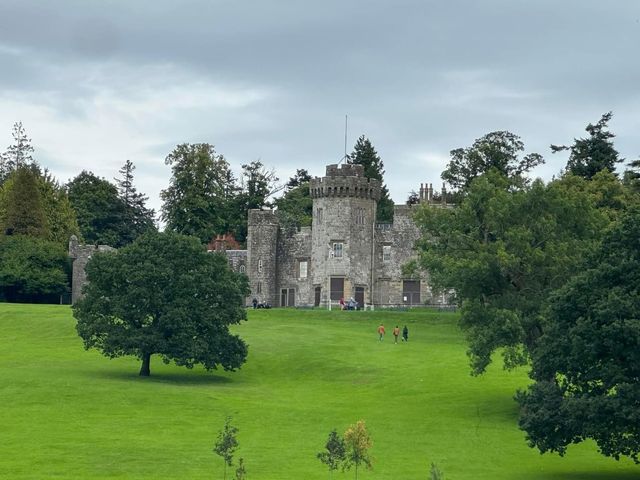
396, 333
381, 331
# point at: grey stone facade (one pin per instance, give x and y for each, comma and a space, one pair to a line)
80, 255
344, 254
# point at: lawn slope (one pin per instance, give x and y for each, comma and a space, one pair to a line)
68, 413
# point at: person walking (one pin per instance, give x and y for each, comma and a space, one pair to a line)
396, 334
381, 331
405, 334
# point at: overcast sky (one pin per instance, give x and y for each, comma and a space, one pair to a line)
97, 83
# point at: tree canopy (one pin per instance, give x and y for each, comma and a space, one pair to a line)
499, 150
163, 294
295, 207
587, 367
503, 249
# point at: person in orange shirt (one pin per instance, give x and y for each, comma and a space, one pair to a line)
396, 333
381, 331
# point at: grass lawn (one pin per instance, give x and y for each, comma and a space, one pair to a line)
69, 413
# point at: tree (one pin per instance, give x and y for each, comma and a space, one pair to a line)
32, 269
357, 444
503, 250
496, 150
587, 368
241, 471
138, 217
295, 207
163, 294
23, 212
435, 473
200, 198
334, 453
102, 215
61, 217
592, 154
17, 155
365, 154
226, 446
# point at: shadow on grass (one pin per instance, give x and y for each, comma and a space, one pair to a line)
186, 377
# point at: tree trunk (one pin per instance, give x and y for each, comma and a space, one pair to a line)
145, 370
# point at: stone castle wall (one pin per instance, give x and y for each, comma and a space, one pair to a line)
80, 255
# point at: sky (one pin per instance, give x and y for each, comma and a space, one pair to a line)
97, 83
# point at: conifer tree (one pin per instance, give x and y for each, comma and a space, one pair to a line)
365, 154
25, 214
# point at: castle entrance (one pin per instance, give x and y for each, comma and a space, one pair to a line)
411, 292
288, 297
337, 288
360, 296
318, 291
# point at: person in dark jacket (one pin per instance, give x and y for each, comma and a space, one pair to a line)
405, 334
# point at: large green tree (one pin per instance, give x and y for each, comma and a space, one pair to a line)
32, 269
201, 197
594, 153
366, 155
165, 295
587, 367
498, 151
102, 215
503, 250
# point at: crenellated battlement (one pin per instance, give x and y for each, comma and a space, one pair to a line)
345, 181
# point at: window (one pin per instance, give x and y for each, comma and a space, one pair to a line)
386, 253
337, 250
259, 288
260, 266
242, 269
360, 216
302, 269
319, 215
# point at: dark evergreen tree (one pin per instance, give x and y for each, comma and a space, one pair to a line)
365, 154
295, 207
18, 154
334, 453
587, 367
24, 213
140, 219
164, 294
590, 155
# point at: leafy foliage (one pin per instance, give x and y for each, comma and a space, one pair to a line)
503, 249
357, 444
163, 294
592, 154
587, 367
496, 150
226, 445
365, 154
201, 194
138, 217
334, 453
102, 215
295, 207
32, 269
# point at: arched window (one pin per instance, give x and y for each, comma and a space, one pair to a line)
242, 269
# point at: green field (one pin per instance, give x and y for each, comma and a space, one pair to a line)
69, 413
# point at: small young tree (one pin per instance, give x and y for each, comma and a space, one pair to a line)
435, 473
241, 472
226, 446
357, 444
334, 453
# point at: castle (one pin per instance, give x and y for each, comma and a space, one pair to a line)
344, 254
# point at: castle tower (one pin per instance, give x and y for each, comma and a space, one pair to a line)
344, 215
262, 241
